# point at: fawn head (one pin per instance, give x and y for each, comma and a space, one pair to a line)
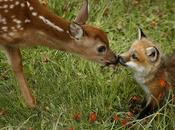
91, 42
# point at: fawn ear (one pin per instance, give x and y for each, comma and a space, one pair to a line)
76, 30
152, 53
83, 13
141, 34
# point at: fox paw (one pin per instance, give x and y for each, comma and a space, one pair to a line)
135, 104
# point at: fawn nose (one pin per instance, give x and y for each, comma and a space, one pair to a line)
112, 60
116, 59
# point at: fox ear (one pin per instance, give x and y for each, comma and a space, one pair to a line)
152, 53
140, 34
76, 31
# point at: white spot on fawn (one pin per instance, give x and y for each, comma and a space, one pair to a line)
3, 20
31, 8
11, 6
46, 21
11, 34
4, 28
34, 13
13, 29
5, 6
6, 11
18, 26
27, 21
28, 4
17, 21
22, 5
13, 16
21, 28
17, 3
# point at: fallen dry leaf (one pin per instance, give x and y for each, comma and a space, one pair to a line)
70, 128
77, 117
92, 117
123, 122
115, 117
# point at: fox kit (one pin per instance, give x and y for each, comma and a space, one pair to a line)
154, 73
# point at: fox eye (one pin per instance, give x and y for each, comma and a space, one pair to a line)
134, 56
101, 49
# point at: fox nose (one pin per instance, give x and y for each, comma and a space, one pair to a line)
116, 59
121, 60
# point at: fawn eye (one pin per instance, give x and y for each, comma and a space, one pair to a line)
101, 49
134, 56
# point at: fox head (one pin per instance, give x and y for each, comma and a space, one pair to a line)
143, 56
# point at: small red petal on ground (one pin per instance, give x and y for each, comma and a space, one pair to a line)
123, 122
30, 128
130, 114
154, 23
70, 129
136, 98
77, 117
115, 117
92, 117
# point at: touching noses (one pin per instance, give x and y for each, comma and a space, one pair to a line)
122, 60
115, 59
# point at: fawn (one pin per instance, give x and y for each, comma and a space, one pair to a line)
26, 23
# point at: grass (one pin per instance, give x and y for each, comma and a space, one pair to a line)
65, 85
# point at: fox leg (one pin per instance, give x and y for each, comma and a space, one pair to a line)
149, 106
140, 107
146, 111
135, 105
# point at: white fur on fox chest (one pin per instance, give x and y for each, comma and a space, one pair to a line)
141, 80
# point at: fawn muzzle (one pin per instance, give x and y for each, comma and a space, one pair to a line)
113, 61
